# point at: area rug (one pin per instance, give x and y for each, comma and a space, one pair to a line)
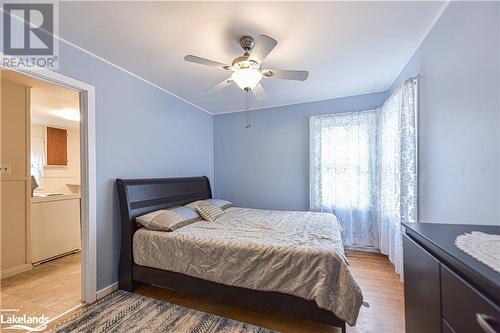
123, 311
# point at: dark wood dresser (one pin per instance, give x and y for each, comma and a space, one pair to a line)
447, 290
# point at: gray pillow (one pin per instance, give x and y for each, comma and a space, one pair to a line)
169, 219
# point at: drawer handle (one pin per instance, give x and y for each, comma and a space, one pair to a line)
486, 322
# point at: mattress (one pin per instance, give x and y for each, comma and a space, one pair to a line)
295, 253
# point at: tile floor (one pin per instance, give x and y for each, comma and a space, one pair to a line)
50, 288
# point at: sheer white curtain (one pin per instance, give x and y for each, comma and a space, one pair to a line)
37, 158
363, 168
343, 173
398, 169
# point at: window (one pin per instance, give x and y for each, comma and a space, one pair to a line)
343, 172
363, 168
349, 160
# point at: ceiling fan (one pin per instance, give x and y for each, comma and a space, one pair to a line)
247, 69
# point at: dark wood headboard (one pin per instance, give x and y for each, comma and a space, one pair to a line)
141, 196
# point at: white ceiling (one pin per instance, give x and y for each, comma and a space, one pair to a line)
46, 99
349, 48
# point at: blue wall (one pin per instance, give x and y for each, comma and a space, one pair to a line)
144, 132
141, 131
459, 129
267, 165
459, 125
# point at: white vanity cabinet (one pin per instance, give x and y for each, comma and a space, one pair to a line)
55, 226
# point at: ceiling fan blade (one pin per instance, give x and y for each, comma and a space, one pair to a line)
285, 74
207, 62
219, 86
263, 46
259, 92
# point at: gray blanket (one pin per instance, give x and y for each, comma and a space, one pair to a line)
296, 253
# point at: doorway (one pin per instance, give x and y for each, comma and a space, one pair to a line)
48, 193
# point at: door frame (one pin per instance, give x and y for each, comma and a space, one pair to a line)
88, 172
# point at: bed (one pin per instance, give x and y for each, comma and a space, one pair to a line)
290, 263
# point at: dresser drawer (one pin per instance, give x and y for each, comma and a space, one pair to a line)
422, 293
462, 304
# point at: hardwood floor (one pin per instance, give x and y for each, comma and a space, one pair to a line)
374, 273
50, 288
382, 289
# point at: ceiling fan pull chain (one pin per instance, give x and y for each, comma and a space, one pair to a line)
247, 113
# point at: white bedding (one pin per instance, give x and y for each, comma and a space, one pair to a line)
296, 253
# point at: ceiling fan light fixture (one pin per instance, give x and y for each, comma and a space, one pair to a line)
247, 78
247, 70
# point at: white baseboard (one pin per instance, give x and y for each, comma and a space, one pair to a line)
107, 290
15, 270
361, 248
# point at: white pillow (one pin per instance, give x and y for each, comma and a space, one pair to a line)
222, 204
169, 219
195, 204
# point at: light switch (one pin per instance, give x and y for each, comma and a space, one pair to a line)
4, 168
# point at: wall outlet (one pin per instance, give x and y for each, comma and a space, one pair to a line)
4, 168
